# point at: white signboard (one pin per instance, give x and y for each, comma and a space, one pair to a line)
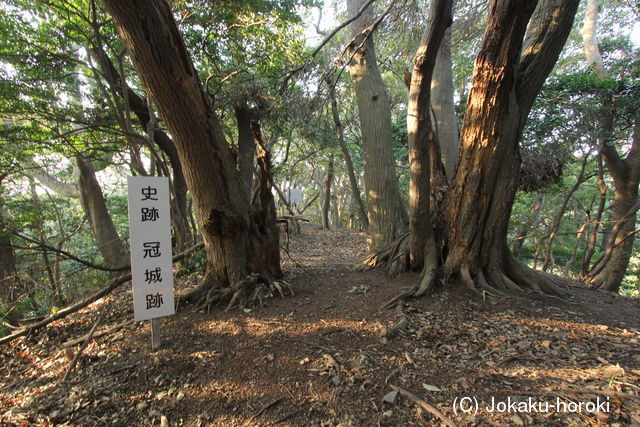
295, 195
150, 239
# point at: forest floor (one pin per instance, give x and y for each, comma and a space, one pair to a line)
318, 358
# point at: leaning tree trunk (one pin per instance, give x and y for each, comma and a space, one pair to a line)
158, 52
609, 271
507, 77
104, 231
386, 212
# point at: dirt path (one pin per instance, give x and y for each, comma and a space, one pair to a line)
318, 358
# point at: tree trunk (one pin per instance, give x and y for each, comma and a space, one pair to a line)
609, 271
158, 52
423, 143
107, 239
326, 201
246, 146
139, 107
8, 272
446, 123
353, 181
386, 212
507, 76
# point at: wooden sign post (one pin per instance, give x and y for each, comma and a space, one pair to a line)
150, 240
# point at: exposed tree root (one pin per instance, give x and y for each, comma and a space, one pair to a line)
402, 323
246, 293
395, 257
513, 276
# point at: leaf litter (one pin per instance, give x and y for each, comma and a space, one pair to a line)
319, 358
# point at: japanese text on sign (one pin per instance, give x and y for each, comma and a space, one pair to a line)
150, 235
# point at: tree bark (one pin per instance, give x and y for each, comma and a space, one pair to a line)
508, 74
386, 212
423, 143
107, 239
151, 35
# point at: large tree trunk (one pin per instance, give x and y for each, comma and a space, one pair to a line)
507, 77
107, 239
609, 271
158, 52
387, 215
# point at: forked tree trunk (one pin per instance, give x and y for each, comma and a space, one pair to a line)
107, 239
609, 271
151, 35
386, 212
507, 77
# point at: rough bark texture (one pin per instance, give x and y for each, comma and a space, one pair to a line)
151, 36
149, 31
423, 144
107, 239
508, 75
387, 215
264, 250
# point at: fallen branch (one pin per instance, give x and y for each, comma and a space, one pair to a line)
86, 301
82, 347
261, 410
76, 341
424, 405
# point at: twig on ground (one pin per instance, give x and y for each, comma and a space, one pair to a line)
261, 410
82, 347
424, 405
